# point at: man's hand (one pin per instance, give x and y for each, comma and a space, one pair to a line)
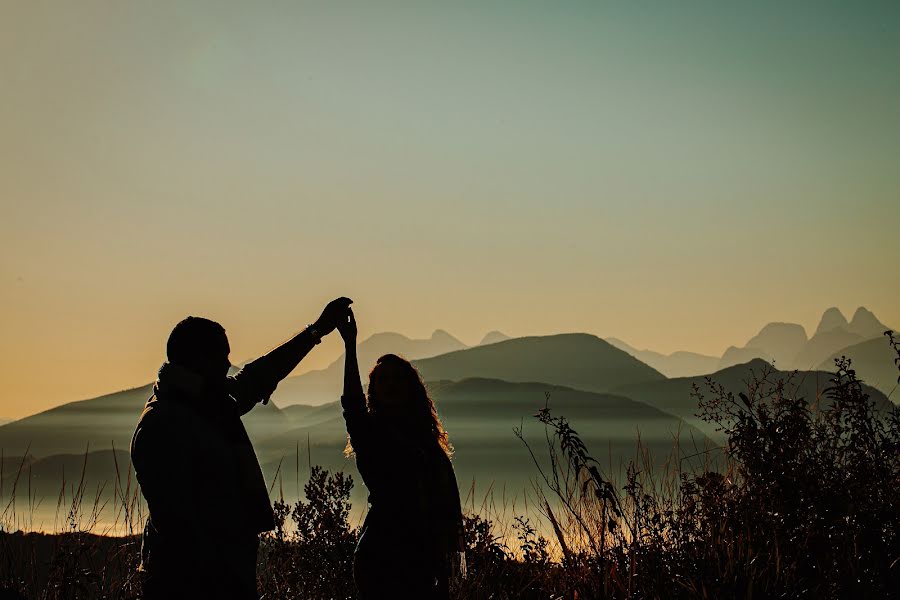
347, 327
334, 311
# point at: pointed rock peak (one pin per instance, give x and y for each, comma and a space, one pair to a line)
492, 337
832, 319
863, 313
866, 324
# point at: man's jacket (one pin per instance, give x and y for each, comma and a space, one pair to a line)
197, 469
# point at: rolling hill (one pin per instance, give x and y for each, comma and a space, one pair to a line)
480, 415
99, 423
824, 344
787, 345
778, 342
103, 423
873, 361
62, 473
324, 386
576, 360
676, 364
835, 333
674, 395
492, 337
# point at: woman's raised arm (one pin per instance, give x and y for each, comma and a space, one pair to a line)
353, 401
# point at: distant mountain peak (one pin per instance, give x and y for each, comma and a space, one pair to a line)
439, 334
832, 319
780, 326
492, 337
385, 335
866, 324
579, 360
862, 312
779, 342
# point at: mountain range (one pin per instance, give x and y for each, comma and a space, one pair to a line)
676, 364
578, 361
478, 406
610, 392
323, 386
788, 346
873, 361
674, 396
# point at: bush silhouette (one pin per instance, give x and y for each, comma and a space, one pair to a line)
803, 502
310, 553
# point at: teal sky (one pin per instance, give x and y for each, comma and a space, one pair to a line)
675, 174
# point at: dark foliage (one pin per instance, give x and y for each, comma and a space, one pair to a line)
310, 553
804, 505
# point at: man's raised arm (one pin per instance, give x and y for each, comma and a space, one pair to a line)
258, 379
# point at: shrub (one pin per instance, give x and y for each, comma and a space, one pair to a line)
805, 505
312, 556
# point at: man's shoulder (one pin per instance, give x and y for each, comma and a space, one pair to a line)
159, 419
153, 411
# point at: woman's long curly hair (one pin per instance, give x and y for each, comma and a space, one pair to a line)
412, 409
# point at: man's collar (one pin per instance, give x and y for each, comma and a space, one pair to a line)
181, 379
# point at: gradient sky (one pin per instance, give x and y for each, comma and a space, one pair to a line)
675, 174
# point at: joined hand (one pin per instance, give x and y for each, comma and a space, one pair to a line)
332, 314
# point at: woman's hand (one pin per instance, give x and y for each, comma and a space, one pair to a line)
353, 391
346, 325
334, 312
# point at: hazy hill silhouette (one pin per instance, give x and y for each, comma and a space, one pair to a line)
10, 463
735, 355
100, 422
492, 337
832, 319
295, 413
824, 344
782, 341
63, 472
320, 386
866, 324
787, 345
576, 360
835, 332
72, 427
873, 361
674, 395
480, 415
779, 342
312, 415
676, 364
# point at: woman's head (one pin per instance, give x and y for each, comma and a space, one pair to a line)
398, 395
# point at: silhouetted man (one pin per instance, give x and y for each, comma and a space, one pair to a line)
205, 491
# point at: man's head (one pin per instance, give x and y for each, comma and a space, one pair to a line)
200, 345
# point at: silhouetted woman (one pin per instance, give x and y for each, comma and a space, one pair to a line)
411, 543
